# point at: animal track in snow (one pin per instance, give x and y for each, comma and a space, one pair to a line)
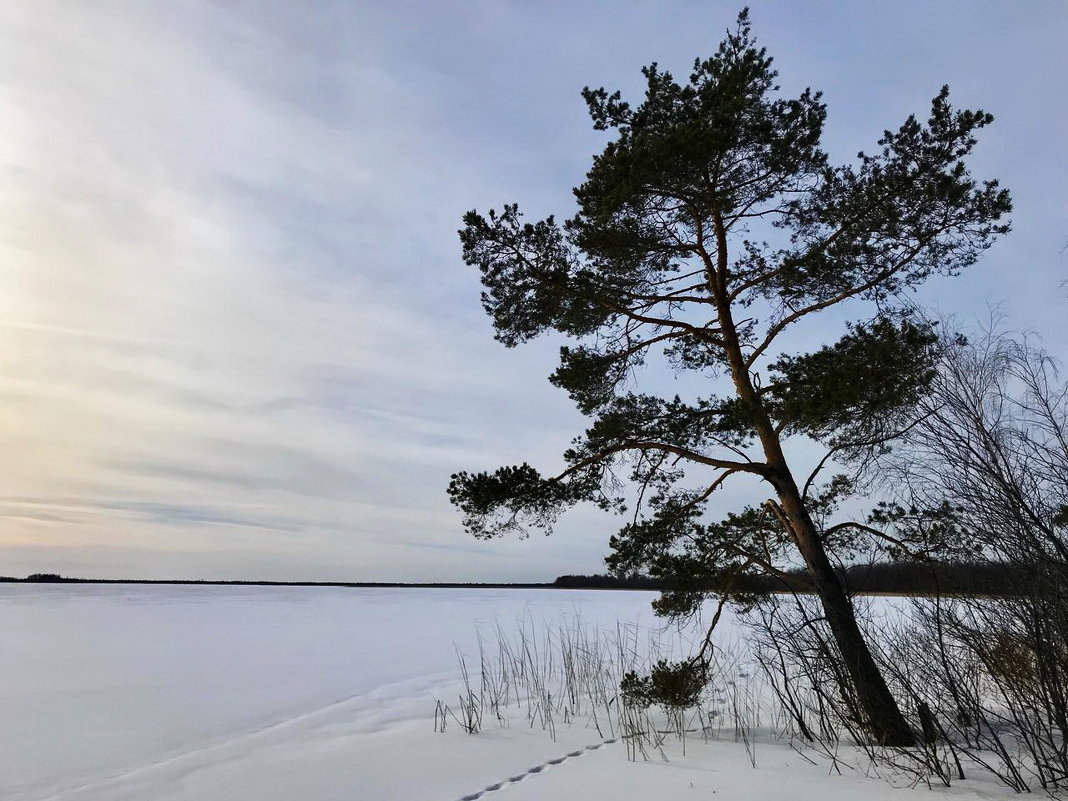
536, 769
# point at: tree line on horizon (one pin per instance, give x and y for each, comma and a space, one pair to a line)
920, 579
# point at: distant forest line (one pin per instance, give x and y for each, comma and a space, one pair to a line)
54, 578
898, 578
903, 578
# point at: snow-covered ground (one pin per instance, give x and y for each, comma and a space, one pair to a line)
116, 692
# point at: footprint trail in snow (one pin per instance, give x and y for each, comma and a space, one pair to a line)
536, 769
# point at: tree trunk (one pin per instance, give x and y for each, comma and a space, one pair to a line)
884, 719
883, 716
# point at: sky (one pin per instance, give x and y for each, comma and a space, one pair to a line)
237, 338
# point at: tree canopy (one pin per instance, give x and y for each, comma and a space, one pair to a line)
712, 223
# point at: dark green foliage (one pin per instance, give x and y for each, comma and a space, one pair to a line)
934, 529
721, 139
672, 685
637, 271
503, 501
860, 385
855, 230
532, 282
693, 559
631, 274
590, 377
709, 224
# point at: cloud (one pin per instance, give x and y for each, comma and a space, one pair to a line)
235, 335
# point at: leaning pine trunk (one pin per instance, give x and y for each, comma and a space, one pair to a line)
884, 719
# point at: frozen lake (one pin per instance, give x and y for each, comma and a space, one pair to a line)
201, 693
104, 684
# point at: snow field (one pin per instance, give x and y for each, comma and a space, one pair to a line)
183, 693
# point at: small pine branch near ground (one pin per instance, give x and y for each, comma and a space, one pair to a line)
709, 228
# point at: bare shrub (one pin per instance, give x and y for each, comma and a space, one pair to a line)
993, 447
626, 683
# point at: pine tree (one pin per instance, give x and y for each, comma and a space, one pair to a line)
709, 226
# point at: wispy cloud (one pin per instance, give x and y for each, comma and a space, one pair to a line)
235, 336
